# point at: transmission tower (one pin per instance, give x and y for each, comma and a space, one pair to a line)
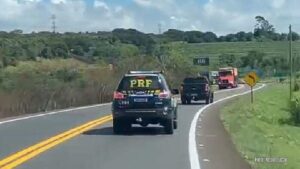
159, 28
53, 18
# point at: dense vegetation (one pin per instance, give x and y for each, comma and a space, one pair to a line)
43, 71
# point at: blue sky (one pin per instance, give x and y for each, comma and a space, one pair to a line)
220, 16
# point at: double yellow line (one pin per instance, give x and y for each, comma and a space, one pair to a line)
20, 157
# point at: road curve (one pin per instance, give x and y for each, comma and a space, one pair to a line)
98, 148
211, 140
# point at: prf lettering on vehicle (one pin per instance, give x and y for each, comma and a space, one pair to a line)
140, 83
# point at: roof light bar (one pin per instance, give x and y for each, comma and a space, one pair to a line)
145, 72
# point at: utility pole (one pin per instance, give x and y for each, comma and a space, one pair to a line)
161, 55
291, 60
53, 18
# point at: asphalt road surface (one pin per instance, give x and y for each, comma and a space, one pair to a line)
99, 148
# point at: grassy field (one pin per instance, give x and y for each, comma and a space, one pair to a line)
239, 49
275, 48
261, 130
278, 49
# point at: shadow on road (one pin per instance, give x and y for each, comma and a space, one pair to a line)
134, 131
193, 104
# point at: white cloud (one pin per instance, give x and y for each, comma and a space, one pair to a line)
225, 16
118, 9
173, 17
220, 16
100, 4
72, 15
59, 1
12, 9
158, 4
144, 2
278, 3
26, 1
153, 3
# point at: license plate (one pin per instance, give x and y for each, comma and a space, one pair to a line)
140, 100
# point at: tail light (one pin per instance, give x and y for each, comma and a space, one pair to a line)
206, 87
164, 95
118, 95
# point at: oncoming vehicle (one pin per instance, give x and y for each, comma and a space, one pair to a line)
144, 97
228, 77
196, 88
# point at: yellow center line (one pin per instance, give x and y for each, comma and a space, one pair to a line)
22, 156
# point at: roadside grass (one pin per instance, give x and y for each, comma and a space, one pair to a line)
262, 129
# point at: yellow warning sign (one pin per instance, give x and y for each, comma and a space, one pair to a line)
251, 79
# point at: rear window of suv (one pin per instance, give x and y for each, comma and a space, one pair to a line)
195, 80
141, 83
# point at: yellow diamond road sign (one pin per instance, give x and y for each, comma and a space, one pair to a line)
251, 79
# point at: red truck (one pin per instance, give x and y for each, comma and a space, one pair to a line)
228, 77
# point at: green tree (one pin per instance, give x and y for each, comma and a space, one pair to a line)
16, 31
295, 36
193, 37
174, 35
263, 29
253, 59
227, 60
132, 36
46, 53
210, 37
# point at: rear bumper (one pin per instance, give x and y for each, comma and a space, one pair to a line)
201, 96
145, 114
225, 85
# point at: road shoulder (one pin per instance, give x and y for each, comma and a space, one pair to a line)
214, 143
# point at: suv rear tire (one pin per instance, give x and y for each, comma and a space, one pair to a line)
175, 124
208, 100
169, 126
116, 126
212, 98
183, 100
120, 126
189, 101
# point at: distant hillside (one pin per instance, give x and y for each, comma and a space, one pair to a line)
239, 49
271, 49
273, 52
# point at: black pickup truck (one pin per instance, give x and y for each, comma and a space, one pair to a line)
196, 88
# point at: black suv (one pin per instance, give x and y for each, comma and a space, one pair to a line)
144, 97
196, 88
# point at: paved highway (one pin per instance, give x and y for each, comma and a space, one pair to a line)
97, 147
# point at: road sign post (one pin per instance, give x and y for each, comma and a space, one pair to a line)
252, 95
202, 61
251, 80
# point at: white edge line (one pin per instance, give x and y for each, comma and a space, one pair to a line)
51, 113
193, 152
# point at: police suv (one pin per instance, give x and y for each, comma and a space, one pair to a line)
144, 97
